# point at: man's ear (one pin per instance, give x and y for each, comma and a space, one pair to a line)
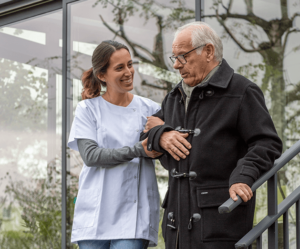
210, 52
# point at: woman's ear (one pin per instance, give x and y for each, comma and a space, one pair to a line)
101, 77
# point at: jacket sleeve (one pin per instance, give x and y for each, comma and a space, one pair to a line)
256, 128
154, 134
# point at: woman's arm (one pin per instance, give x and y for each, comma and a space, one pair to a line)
93, 156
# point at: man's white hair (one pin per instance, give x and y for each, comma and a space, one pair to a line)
202, 34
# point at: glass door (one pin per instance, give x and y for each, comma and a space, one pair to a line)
30, 131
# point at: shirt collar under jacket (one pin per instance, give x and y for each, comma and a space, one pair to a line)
189, 89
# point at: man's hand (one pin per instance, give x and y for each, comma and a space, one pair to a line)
175, 143
243, 190
152, 122
153, 153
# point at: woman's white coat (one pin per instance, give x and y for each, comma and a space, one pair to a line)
120, 202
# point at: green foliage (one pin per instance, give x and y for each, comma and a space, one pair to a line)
16, 239
251, 71
40, 202
161, 242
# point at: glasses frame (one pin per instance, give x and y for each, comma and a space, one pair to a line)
173, 58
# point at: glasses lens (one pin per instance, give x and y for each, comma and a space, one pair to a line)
173, 59
181, 59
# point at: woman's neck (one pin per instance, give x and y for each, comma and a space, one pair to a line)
120, 99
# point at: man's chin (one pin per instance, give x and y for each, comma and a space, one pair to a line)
189, 82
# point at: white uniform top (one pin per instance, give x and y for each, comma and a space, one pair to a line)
120, 202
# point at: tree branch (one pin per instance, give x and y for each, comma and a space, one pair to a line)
249, 4
149, 9
293, 139
112, 4
233, 37
250, 18
145, 83
158, 51
130, 43
229, 6
294, 16
284, 9
286, 38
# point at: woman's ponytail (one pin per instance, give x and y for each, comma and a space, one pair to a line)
91, 85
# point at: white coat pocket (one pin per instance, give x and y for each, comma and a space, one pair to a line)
85, 208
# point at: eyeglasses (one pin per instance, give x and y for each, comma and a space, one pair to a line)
181, 58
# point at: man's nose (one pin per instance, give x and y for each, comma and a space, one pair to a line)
177, 64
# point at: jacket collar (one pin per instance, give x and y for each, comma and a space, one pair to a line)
221, 78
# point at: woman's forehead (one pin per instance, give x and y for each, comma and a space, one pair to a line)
120, 56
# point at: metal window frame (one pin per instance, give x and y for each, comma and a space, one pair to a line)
199, 10
64, 126
20, 14
7, 7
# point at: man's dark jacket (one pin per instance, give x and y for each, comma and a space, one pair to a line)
237, 144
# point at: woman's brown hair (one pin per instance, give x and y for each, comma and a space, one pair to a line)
100, 62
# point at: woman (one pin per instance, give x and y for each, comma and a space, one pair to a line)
118, 202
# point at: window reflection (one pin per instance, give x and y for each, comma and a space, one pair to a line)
33, 36
30, 124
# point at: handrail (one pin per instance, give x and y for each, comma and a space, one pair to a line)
230, 204
268, 220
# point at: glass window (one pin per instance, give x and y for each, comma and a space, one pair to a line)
30, 131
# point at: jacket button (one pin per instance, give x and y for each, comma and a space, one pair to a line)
209, 93
196, 217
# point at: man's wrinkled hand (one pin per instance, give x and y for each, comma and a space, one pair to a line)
153, 153
175, 143
241, 189
152, 122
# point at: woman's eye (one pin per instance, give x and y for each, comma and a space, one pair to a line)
130, 65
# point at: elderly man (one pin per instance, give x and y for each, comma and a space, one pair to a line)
231, 143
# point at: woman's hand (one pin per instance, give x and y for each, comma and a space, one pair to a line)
152, 122
153, 153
